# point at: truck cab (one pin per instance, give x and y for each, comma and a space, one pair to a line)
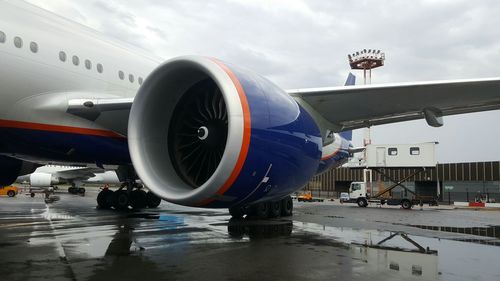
358, 193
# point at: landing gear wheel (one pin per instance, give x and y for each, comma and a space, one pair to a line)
138, 199
152, 200
236, 212
11, 193
362, 203
406, 204
286, 206
274, 209
260, 210
105, 199
121, 200
32, 194
81, 190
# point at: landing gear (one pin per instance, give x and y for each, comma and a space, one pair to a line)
105, 199
73, 189
263, 210
129, 194
152, 200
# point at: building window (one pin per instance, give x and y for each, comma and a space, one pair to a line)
76, 60
34, 47
414, 150
88, 64
2, 37
62, 56
131, 78
121, 75
99, 68
392, 151
140, 80
18, 42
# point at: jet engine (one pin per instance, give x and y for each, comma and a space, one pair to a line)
11, 168
43, 180
205, 133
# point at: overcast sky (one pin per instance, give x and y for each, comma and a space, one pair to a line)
299, 44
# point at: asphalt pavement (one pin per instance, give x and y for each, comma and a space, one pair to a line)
68, 238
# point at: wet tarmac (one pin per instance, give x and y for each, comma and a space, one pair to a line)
67, 238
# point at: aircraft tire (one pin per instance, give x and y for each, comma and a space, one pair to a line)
81, 190
152, 200
11, 193
138, 199
105, 199
32, 194
274, 209
260, 210
121, 200
236, 212
286, 206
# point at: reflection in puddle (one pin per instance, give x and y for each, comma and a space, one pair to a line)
490, 231
421, 261
259, 229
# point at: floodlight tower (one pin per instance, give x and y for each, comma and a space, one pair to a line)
366, 60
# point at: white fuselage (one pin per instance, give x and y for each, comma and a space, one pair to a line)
32, 83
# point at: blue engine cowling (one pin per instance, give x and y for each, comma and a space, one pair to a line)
205, 133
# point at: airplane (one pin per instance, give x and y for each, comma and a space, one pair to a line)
48, 176
195, 130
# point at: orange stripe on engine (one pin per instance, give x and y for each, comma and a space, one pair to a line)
246, 133
58, 128
331, 155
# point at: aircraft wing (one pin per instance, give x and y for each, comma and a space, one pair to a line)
362, 106
82, 173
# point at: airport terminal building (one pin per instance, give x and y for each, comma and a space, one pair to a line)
461, 182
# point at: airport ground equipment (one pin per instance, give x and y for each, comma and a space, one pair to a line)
380, 157
307, 197
9, 190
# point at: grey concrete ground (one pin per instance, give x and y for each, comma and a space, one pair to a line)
69, 239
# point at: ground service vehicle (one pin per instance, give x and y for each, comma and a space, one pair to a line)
307, 197
10, 191
363, 193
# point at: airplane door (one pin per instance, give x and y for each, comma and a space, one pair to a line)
380, 156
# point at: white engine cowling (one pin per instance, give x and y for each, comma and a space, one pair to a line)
43, 180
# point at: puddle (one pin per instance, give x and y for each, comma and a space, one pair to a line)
490, 231
256, 229
453, 260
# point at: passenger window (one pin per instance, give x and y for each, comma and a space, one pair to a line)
414, 150
2, 37
131, 78
76, 60
18, 42
34, 47
99, 68
392, 151
88, 64
62, 56
140, 80
121, 75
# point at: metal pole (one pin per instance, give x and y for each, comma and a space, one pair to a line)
449, 198
467, 190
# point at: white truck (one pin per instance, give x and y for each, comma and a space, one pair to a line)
363, 193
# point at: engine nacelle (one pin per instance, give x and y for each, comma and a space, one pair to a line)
43, 180
11, 168
205, 133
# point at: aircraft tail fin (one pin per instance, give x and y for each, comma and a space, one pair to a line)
350, 81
